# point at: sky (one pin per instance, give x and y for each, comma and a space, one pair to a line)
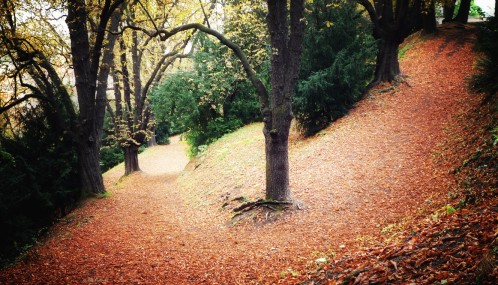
488, 6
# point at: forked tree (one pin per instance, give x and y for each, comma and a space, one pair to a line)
393, 21
86, 50
286, 26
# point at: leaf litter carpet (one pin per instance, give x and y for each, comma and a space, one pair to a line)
380, 168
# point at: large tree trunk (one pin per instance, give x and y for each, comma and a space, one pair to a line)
131, 159
87, 140
89, 168
463, 12
277, 163
448, 11
387, 67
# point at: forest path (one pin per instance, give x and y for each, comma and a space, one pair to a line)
367, 172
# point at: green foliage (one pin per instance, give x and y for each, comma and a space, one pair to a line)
337, 63
39, 182
475, 11
486, 77
162, 133
209, 100
110, 156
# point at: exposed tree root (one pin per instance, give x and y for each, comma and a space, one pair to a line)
272, 205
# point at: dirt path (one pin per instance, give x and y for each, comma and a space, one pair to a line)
373, 168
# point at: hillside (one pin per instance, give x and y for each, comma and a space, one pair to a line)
375, 187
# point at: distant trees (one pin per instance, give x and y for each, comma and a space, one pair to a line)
138, 66
211, 95
463, 8
463, 11
209, 99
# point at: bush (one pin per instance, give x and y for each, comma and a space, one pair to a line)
486, 77
337, 63
40, 183
110, 156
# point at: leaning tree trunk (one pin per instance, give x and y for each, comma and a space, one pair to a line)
463, 12
387, 67
131, 159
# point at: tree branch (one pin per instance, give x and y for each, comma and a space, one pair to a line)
20, 100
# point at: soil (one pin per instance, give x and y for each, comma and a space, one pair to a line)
369, 176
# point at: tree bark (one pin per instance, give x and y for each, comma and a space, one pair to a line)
429, 23
131, 159
463, 12
287, 46
448, 11
387, 65
392, 23
86, 63
87, 140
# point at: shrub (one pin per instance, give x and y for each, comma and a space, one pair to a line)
337, 63
39, 184
486, 77
207, 101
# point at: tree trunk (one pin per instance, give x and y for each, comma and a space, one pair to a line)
429, 23
287, 46
131, 159
463, 12
87, 139
387, 67
89, 168
448, 11
152, 141
277, 166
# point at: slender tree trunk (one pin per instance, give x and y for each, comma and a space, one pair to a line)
463, 12
152, 141
496, 7
131, 159
429, 23
448, 11
387, 67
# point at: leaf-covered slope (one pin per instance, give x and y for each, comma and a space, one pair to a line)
372, 184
